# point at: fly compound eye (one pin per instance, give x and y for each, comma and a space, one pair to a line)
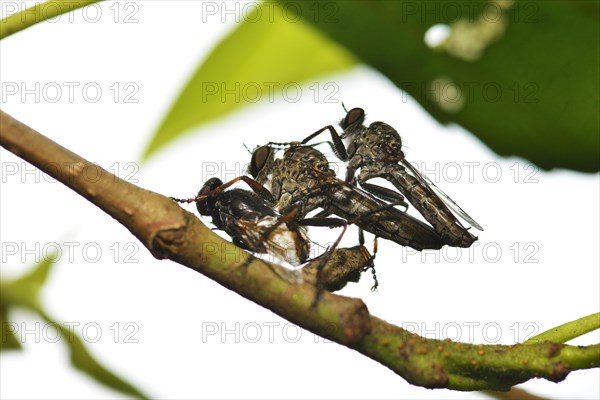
202, 206
209, 186
259, 159
354, 116
203, 195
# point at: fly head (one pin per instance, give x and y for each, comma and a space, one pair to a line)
205, 202
262, 158
354, 118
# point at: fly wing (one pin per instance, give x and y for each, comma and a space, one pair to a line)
290, 245
443, 196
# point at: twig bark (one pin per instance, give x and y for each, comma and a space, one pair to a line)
170, 232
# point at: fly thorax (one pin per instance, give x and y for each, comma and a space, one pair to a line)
291, 188
354, 132
284, 201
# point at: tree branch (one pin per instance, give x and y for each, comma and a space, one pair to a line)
170, 232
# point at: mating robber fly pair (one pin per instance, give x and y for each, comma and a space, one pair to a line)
301, 181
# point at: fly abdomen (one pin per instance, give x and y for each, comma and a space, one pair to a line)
401, 228
381, 219
431, 207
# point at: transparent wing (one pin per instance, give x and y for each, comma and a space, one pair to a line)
291, 246
443, 196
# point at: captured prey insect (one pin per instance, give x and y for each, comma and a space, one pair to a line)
250, 220
345, 265
303, 180
376, 151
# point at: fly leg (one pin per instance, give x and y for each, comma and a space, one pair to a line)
337, 145
254, 185
330, 222
378, 191
369, 257
250, 257
208, 191
361, 238
288, 276
333, 222
385, 194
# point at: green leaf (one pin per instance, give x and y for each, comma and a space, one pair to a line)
85, 362
531, 90
568, 331
263, 55
21, 292
38, 13
24, 292
8, 340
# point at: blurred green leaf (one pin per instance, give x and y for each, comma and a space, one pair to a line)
25, 292
256, 61
41, 11
21, 292
85, 362
532, 93
8, 341
568, 331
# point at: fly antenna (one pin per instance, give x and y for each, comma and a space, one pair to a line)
189, 200
279, 145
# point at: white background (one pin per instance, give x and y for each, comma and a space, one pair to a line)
534, 267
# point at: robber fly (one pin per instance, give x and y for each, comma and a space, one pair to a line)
303, 180
376, 151
251, 221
